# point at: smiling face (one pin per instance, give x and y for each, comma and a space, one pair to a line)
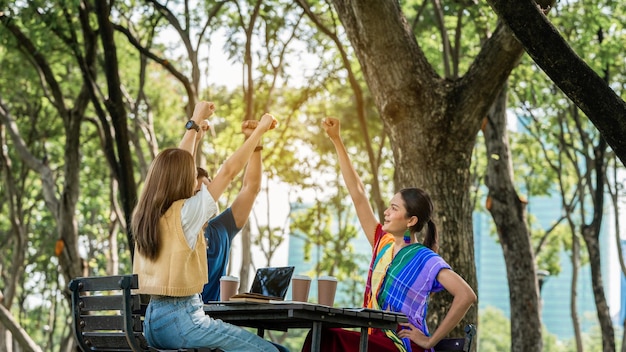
396, 220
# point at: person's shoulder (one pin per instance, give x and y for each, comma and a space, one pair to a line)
225, 216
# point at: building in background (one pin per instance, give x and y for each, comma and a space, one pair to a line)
556, 290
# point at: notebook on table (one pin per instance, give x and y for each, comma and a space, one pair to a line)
269, 284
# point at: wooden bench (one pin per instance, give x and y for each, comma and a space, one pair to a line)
458, 344
108, 317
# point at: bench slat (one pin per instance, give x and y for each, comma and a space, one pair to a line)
110, 341
106, 283
110, 302
108, 322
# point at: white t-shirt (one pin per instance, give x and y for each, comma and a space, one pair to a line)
196, 211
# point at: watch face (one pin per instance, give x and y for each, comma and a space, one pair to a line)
191, 124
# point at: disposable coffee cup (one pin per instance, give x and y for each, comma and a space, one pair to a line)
300, 285
326, 288
228, 287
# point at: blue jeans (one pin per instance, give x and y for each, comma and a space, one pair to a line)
180, 322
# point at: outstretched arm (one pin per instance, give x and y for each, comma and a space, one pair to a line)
352, 180
191, 138
243, 203
204, 128
235, 163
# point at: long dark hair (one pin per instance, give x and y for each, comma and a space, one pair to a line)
417, 203
171, 177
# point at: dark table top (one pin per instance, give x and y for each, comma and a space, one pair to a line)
284, 315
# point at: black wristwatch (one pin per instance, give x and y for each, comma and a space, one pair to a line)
192, 124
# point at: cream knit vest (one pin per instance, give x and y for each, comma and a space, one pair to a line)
178, 270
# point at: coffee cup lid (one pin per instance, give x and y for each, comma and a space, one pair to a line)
229, 278
301, 277
328, 278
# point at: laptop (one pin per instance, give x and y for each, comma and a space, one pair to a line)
269, 283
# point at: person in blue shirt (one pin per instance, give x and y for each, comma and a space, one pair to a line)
221, 229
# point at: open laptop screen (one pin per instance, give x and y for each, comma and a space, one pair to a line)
272, 281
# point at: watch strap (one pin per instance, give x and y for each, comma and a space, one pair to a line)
192, 124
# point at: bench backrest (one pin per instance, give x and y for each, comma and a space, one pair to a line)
458, 344
107, 316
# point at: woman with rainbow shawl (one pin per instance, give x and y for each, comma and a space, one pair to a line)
403, 272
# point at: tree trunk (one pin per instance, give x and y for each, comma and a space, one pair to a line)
249, 99
590, 236
574, 289
22, 338
246, 258
509, 214
18, 242
624, 336
121, 160
432, 122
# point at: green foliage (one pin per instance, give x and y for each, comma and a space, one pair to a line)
465, 25
493, 331
295, 339
494, 335
333, 243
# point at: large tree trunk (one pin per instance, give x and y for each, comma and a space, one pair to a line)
119, 157
432, 122
509, 214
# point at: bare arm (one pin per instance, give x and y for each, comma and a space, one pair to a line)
352, 180
235, 163
204, 127
191, 138
243, 203
464, 297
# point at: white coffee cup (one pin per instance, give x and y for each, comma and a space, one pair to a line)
326, 288
228, 287
300, 285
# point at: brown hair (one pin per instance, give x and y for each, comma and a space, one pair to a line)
202, 173
171, 177
418, 203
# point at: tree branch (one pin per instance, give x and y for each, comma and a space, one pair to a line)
605, 109
26, 343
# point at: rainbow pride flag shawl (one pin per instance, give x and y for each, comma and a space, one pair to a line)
402, 283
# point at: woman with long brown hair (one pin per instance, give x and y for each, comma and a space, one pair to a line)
170, 256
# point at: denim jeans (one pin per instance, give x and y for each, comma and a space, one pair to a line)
180, 322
